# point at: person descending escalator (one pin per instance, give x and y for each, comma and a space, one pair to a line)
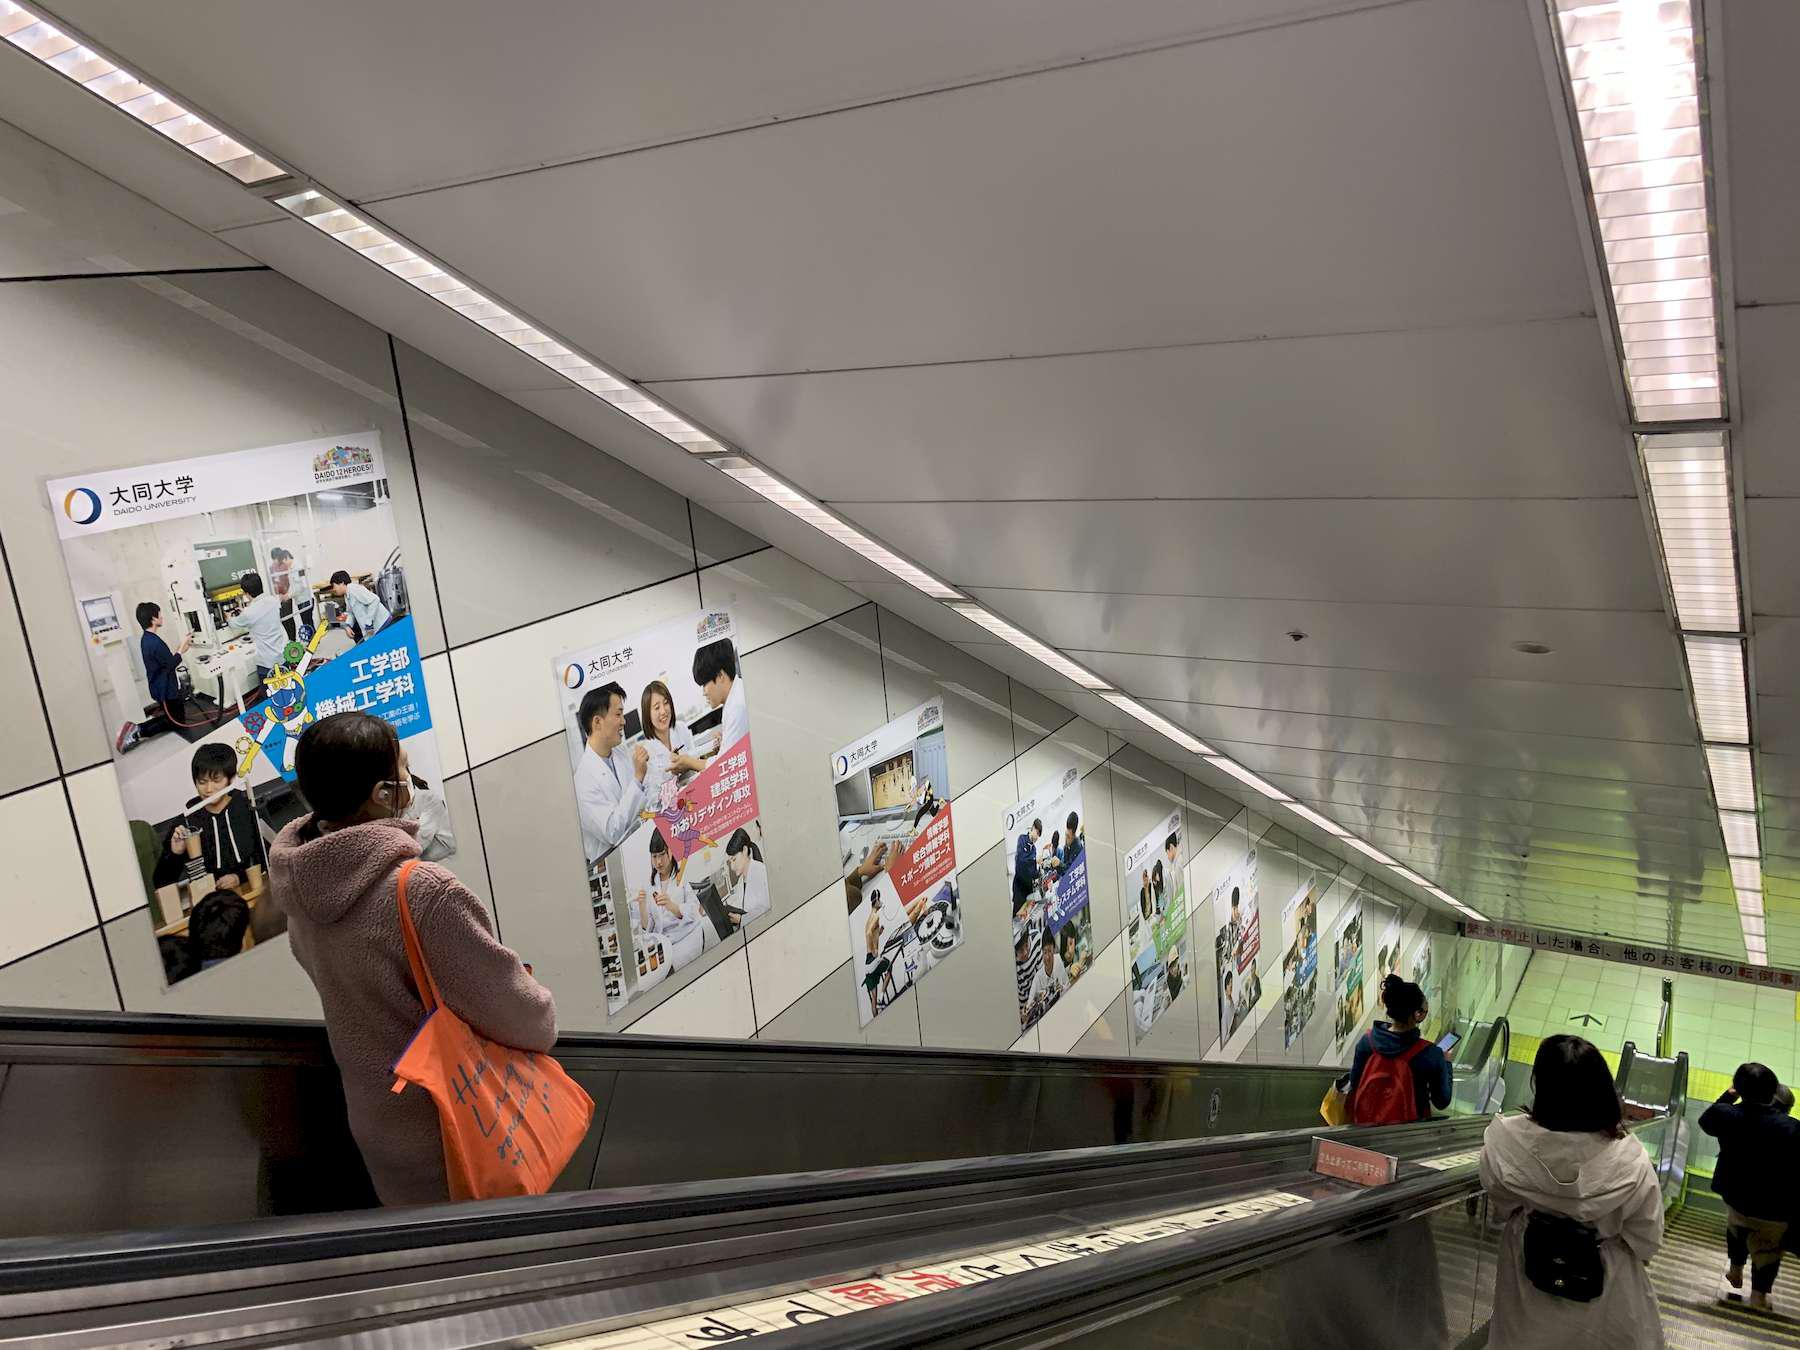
1397, 1075
1759, 1154
1582, 1211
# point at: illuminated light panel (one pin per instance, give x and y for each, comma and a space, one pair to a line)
1746, 874
1739, 829
799, 505
451, 291
1634, 81
1734, 784
1406, 874
1716, 667
1456, 904
126, 91
1157, 722
1750, 904
1690, 495
1373, 852
1330, 827
1243, 775
1049, 656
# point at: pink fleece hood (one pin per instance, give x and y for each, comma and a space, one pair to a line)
323, 877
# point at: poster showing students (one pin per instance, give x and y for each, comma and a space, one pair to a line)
1153, 894
1387, 952
1237, 940
897, 847
658, 733
1047, 875
211, 651
1347, 972
1299, 959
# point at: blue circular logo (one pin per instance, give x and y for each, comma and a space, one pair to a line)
843, 765
82, 505
573, 675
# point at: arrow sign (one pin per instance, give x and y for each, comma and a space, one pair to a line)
1588, 1019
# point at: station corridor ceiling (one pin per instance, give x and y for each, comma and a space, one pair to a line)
1256, 354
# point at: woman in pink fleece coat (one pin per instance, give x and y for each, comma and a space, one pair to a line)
337, 874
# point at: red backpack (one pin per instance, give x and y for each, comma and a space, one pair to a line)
1386, 1095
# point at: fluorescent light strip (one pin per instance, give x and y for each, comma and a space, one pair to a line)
1003, 630
1157, 722
1690, 495
433, 279
1739, 829
47, 44
1243, 775
1369, 849
1330, 827
1456, 904
1716, 668
1734, 785
1406, 874
1746, 874
798, 504
1750, 903
1634, 81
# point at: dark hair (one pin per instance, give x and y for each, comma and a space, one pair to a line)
1572, 1089
1070, 824
1055, 841
657, 843
1402, 998
1234, 897
341, 758
1038, 826
713, 660
340, 578
1156, 875
1783, 1101
177, 959
277, 554
1144, 901
211, 758
655, 687
739, 841
252, 584
217, 925
597, 703
1755, 1083
1173, 841
147, 611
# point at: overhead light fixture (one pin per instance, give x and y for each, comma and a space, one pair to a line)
1634, 81
1746, 874
1739, 829
1754, 926
1750, 903
1049, 656
1456, 904
126, 90
1306, 813
1734, 784
1716, 668
1406, 874
1371, 850
1243, 775
1690, 496
1157, 722
828, 522
433, 279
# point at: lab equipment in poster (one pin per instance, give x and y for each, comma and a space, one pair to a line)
657, 728
1153, 894
1237, 940
1047, 874
897, 845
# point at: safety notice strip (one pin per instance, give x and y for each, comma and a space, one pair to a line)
767, 1317
1449, 1160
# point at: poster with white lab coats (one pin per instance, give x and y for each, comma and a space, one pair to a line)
1047, 873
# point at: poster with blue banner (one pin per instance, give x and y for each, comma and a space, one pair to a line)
229, 602
1047, 867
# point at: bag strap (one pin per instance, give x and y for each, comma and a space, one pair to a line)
415, 953
1407, 1055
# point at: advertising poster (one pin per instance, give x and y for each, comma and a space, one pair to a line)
1387, 951
1347, 971
1047, 868
1299, 959
1153, 893
228, 602
658, 729
898, 850
1421, 965
1236, 943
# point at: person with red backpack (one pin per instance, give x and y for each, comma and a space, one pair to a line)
1397, 1075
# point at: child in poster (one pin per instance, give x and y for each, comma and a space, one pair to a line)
1236, 944
657, 726
1347, 967
898, 850
214, 641
1053, 927
1299, 960
1154, 896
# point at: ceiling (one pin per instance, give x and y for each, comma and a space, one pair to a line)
1165, 329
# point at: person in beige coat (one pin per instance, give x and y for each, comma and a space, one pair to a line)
336, 872
1569, 1155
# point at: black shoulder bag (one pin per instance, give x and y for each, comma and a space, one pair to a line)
1562, 1257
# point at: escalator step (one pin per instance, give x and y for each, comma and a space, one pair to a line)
1689, 1277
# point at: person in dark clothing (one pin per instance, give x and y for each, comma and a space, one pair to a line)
160, 665
220, 829
1759, 1154
1407, 1011
1025, 866
216, 929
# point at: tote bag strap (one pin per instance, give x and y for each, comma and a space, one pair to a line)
415, 954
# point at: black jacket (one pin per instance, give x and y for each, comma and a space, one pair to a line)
230, 841
1759, 1155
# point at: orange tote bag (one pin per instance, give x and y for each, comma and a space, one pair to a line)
510, 1119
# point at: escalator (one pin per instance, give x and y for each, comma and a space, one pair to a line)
1072, 1237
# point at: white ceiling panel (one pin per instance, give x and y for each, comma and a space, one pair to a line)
1758, 95
1180, 196
1774, 556
1768, 341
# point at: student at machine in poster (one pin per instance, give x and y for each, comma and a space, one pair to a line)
898, 850
1236, 944
1347, 968
214, 638
1299, 960
658, 730
1154, 895
1047, 870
